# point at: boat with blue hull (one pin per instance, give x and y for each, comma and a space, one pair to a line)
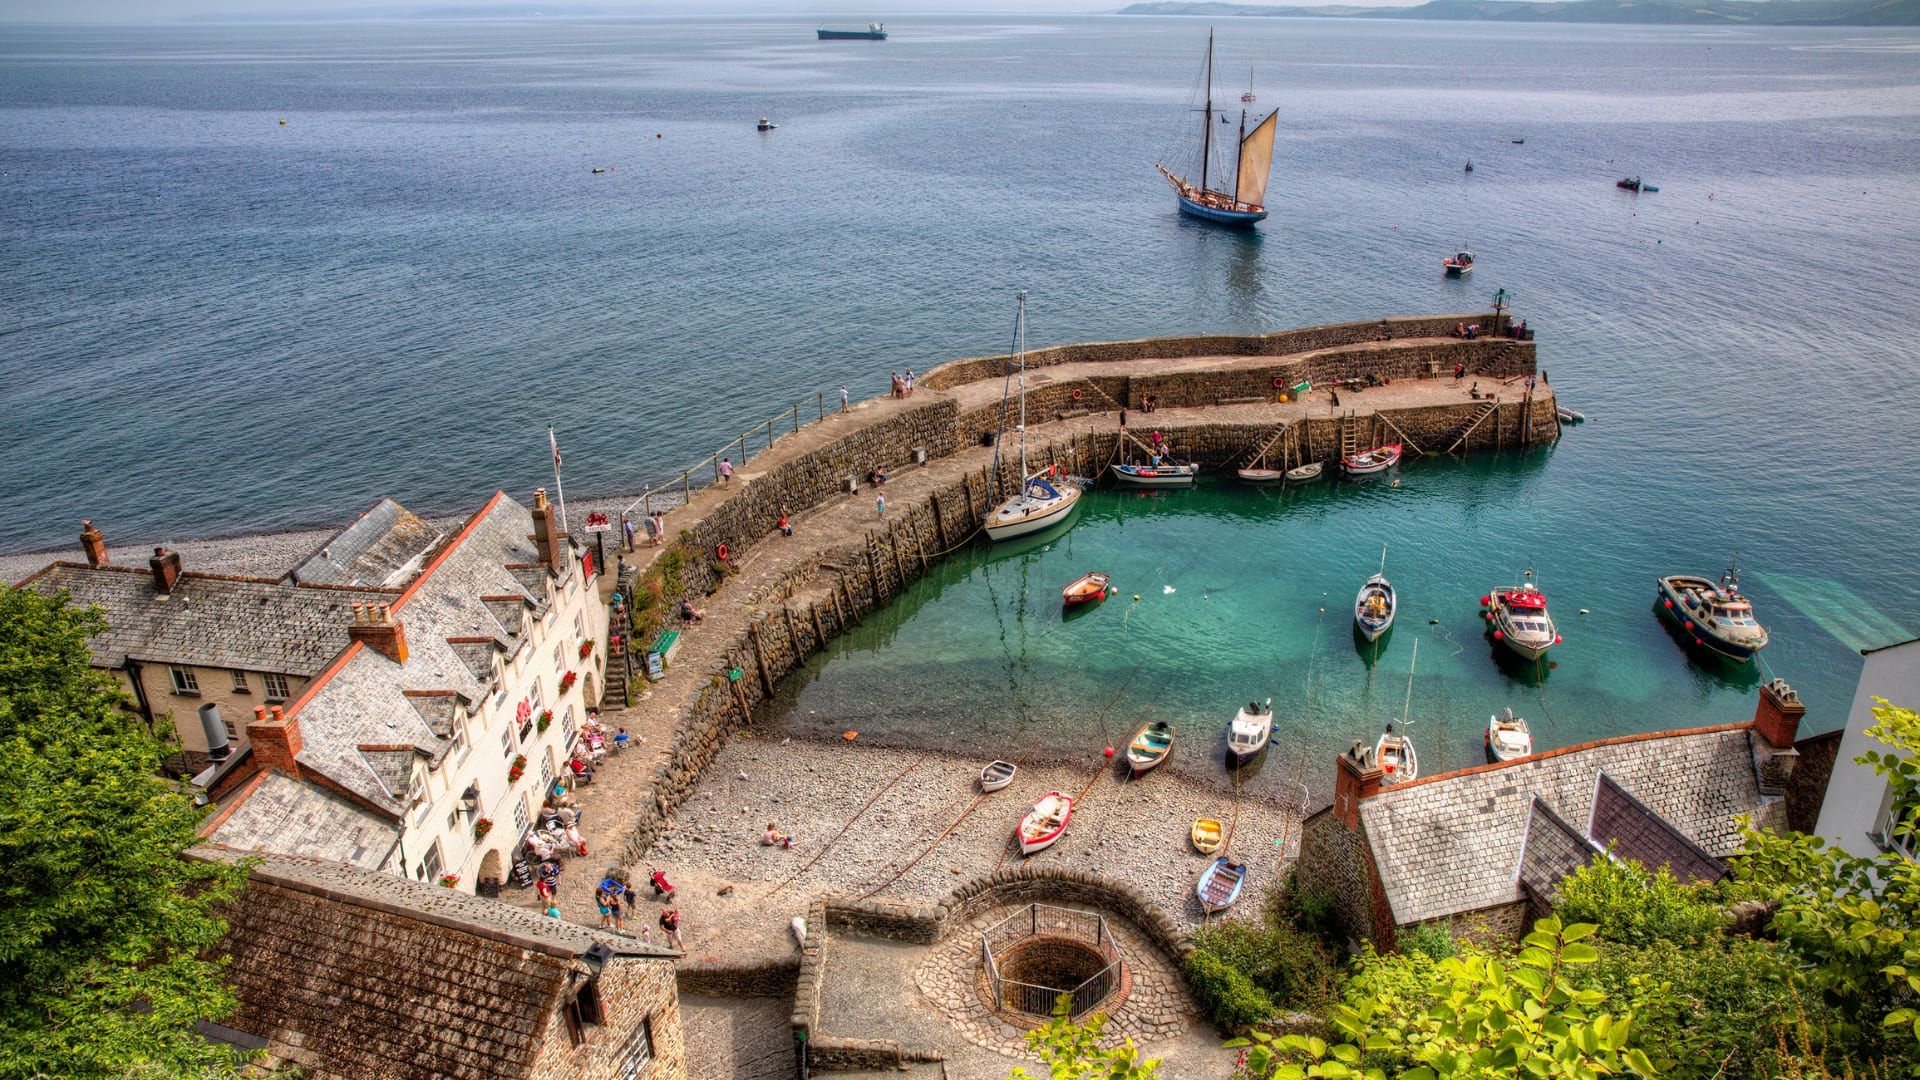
1244, 204
1715, 615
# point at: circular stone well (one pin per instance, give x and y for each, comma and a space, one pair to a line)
1057, 962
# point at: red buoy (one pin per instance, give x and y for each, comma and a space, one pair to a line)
1109, 751
1669, 604
1497, 635
1689, 624
1556, 639
1485, 600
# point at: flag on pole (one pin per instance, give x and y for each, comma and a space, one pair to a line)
555, 443
559, 491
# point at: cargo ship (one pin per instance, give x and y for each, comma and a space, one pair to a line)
873, 32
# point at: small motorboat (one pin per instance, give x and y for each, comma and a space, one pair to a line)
1373, 609
997, 774
1044, 823
1508, 737
1519, 620
1458, 264
1631, 183
1310, 471
1086, 589
1260, 476
1206, 835
1648, 187
1397, 760
1715, 616
766, 125
1368, 462
1220, 884
1150, 746
1248, 732
1519, 142
1157, 475
598, 169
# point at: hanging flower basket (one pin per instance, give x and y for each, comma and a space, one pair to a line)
586, 648
546, 719
518, 767
448, 881
481, 828
567, 681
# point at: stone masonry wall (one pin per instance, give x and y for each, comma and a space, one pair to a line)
764, 978
960, 372
1330, 865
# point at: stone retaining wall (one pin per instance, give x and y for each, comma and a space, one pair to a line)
764, 978
813, 966
960, 372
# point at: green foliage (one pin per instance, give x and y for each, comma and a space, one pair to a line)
1224, 991
1072, 1051
1854, 923
1633, 907
1430, 940
1705, 1009
1474, 1015
101, 922
658, 587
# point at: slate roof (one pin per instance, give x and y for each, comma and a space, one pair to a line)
1451, 843
368, 700
1635, 832
209, 620
286, 816
1552, 850
386, 546
382, 977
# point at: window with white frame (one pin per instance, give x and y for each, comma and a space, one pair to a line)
453, 819
417, 797
567, 725
506, 741
638, 1052
276, 685
559, 656
520, 821
459, 741
429, 867
184, 681
580, 627
546, 769
533, 695
240, 683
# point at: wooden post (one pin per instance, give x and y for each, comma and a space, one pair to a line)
819, 633
873, 569
851, 610
793, 638
940, 523
918, 546
893, 547
760, 657
820, 399
796, 416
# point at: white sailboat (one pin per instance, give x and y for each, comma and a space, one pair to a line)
1395, 751
1245, 202
1040, 503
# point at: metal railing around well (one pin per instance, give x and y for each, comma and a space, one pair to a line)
1046, 921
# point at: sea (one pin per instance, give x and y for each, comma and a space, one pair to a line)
256, 275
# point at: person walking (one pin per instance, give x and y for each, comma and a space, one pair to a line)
726, 473
880, 505
659, 527
843, 399
670, 922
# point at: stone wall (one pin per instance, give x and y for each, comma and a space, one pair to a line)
632, 990
807, 979
1331, 865
1807, 789
763, 978
1286, 342
1498, 925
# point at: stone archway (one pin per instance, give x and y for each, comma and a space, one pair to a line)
492, 865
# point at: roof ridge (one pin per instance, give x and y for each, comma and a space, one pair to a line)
440, 557
1615, 740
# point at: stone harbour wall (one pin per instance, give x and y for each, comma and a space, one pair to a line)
960, 372
762, 978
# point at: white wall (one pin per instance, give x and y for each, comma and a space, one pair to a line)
1855, 792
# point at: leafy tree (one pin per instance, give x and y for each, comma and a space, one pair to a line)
102, 923
1072, 1051
1854, 923
1243, 970
1635, 907
1716, 1007
1472, 1016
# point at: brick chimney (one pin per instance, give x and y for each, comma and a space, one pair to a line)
276, 739
375, 627
166, 570
93, 544
546, 534
1776, 722
1357, 777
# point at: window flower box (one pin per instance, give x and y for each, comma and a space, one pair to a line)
586, 648
448, 881
517, 769
481, 828
567, 681
545, 721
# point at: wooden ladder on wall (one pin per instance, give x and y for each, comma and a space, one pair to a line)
1279, 433
1350, 436
1475, 421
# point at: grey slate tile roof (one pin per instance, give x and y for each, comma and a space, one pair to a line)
1451, 843
1553, 850
1638, 833
289, 817
210, 620
385, 546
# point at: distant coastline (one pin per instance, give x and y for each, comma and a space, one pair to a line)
1656, 12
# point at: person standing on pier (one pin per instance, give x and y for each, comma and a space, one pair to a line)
656, 529
908, 383
843, 399
626, 526
726, 473
880, 505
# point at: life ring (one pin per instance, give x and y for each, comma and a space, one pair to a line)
720, 552
1279, 381
1077, 394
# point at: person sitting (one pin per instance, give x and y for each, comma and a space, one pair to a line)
785, 528
773, 836
582, 770
620, 739
876, 476
1474, 390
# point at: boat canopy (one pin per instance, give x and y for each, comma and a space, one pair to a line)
1525, 600
1040, 489
1256, 160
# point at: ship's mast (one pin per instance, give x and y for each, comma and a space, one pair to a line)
1238, 149
1206, 133
1020, 344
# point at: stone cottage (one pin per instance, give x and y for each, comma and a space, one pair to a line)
357, 975
1481, 850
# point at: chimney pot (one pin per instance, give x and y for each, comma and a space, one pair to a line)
94, 544
375, 627
276, 740
166, 570
546, 534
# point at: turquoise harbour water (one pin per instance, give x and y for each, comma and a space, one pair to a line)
213, 323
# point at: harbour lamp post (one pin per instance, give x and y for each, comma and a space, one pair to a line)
1501, 301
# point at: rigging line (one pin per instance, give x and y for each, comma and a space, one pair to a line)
843, 829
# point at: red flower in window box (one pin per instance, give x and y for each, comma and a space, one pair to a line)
518, 767
567, 681
481, 828
546, 718
448, 881
586, 648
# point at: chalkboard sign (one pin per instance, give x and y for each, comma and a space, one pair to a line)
656, 667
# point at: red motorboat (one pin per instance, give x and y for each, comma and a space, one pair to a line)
1089, 589
1377, 460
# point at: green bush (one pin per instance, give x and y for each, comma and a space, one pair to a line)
1634, 907
1227, 994
1429, 939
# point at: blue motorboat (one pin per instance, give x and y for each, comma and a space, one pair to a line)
1715, 616
1244, 203
1220, 884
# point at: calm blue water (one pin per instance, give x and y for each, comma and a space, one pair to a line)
215, 323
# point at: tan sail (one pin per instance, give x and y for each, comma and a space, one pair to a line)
1256, 160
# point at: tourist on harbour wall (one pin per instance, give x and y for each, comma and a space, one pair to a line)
726, 473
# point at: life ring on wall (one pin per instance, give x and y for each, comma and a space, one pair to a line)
1279, 381
1076, 393
720, 552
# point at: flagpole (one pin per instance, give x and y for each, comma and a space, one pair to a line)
557, 488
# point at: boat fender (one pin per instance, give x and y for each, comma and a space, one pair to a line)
1498, 635
1278, 382
1485, 600
1076, 394
1669, 604
1556, 639
1689, 624
720, 552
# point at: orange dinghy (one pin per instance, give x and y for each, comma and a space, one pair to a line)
1088, 589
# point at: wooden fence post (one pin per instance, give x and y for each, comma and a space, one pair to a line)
760, 658
819, 634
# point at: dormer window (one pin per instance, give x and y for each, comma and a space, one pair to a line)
417, 797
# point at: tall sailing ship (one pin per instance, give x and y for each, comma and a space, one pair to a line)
1244, 202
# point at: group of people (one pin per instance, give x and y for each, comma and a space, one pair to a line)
902, 386
656, 528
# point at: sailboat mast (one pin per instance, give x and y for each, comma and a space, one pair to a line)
1406, 710
1236, 157
1206, 133
1020, 333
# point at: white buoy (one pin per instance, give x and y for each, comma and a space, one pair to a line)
800, 930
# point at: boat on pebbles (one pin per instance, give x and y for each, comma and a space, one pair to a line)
1248, 732
1044, 823
1150, 746
997, 774
1220, 884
